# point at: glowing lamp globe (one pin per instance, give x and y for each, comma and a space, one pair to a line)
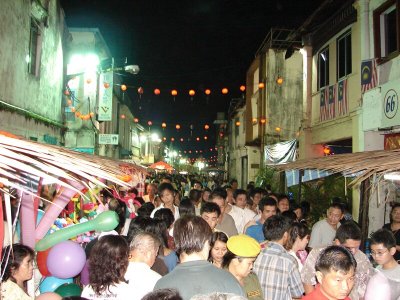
279, 80
163, 125
254, 120
206, 127
207, 92
174, 93
106, 85
192, 93
140, 90
261, 85
278, 129
197, 139
123, 116
224, 91
242, 88
157, 92
263, 120
237, 123
327, 150
136, 120
181, 139
149, 123
172, 139
178, 126
123, 87
164, 138
205, 138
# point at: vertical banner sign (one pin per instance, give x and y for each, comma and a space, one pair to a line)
105, 96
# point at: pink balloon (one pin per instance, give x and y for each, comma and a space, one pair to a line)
49, 296
55, 209
85, 274
27, 217
66, 260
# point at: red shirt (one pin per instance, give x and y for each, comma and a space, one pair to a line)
317, 295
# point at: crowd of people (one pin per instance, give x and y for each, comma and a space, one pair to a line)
202, 239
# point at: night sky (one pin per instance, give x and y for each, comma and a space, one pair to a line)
186, 44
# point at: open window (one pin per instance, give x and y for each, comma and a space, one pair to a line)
386, 30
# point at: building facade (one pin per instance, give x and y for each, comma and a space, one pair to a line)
31, 69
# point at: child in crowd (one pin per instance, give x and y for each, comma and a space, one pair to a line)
383, 247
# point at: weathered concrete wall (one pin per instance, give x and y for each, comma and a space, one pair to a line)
40, 94
283, 102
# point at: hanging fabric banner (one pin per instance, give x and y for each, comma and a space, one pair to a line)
280, 153
105, 96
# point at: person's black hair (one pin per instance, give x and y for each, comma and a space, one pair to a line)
233, 181
282, 197
275, 227
207, 189
165, 186
384, 237
238, 192
394, 206
296, 230
195, 195
120, 208
186, 208
164, 294
190, 234
335, 258
165, 215
218, 192
305, 208
349, 230
146, 209
137, 224
337, 206
266, 201
290, 214
255, 191
210, 207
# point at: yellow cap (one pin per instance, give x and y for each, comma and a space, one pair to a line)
244, 246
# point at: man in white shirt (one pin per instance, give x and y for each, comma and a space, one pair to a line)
239, 212
143, 252
324, 231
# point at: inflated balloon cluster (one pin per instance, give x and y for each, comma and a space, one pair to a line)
61, 260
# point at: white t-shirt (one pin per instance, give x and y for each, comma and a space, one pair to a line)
141, 278
322, 234
241, 217
120, 291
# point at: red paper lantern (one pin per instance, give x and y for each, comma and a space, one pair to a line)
124, 87
123, 116
263, 120
140, 90
157, 92
136, 120
149, 123
242, 88
224, 91
106, 85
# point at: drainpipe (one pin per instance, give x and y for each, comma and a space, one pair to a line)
365, 30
